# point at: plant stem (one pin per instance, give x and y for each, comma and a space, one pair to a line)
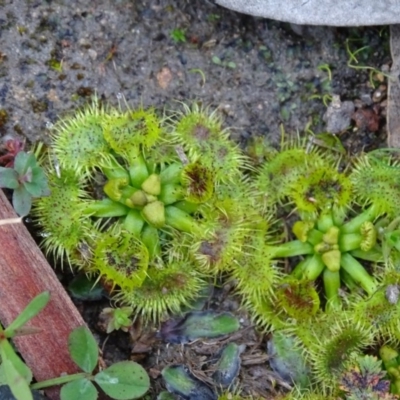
60, 380
134, 222
313, 268
354, 225
374, 255
332, 286
291, 249
299, 269
106, 208
358, 273
350, 241
338, 216
314, 237
325, 221
150, 238
112, 169
138, 171
348, 280
180, 220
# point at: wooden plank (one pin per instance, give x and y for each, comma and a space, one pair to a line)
393, 108
24, 273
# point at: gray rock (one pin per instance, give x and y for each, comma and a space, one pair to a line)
321, 12
338, 115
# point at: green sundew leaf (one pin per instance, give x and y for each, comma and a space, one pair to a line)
38, 186
329, 141
7, 352
82, 288
32, 309
81, 389
194, 325
287, 359
23, 161
228, 366
83, 348
165, 396
17, 383
180, 381
124, 380
22, 201
8, 178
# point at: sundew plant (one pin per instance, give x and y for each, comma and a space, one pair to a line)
157, 208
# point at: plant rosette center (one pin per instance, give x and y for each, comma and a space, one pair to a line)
149, 198
330, 247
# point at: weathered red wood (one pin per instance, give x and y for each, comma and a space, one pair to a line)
24, 273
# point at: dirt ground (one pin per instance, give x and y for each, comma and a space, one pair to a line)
263, 75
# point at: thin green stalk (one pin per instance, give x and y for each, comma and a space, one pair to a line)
61, 380
358, 273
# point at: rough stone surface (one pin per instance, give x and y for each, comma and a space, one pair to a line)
321, 12
338, 115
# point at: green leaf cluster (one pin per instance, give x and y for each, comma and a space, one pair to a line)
127, 186
122, 381
13, 371
155, 207
27, 179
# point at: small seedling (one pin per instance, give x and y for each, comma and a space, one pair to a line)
353, 61
27, 179
12, 147
200, 72
227, 64
117, 318
365, 379
326, 67
178, 35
